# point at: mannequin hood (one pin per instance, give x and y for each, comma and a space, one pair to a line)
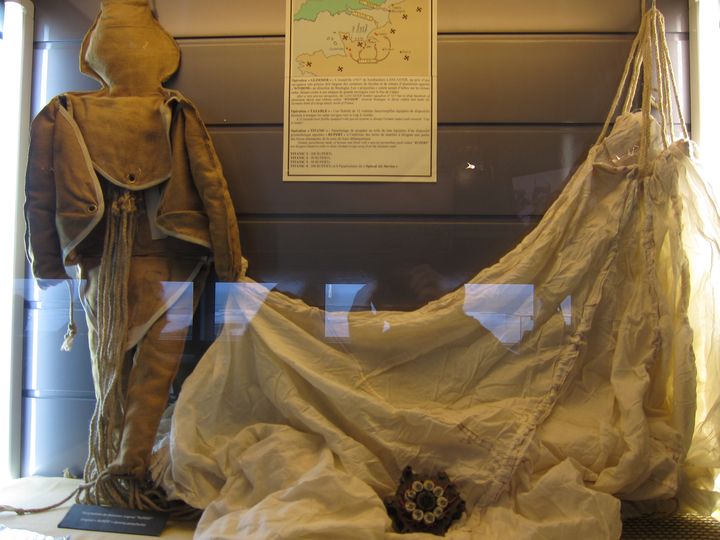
127, 50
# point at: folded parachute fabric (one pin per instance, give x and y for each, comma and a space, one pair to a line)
608, 401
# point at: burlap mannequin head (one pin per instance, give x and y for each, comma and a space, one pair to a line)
127, 50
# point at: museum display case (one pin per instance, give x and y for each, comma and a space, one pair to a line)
540, 316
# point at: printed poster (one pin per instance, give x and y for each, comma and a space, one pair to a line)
360, 91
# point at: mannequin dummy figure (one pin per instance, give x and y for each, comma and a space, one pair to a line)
124, 185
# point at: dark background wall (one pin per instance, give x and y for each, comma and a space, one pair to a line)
523, 89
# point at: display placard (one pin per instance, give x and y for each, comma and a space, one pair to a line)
360, 91
89, 517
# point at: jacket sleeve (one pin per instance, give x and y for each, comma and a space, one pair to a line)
42, 242
212, 187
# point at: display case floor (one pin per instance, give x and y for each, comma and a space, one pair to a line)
37, 492
33, 492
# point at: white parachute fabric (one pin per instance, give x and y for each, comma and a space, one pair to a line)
701, 241
284, 431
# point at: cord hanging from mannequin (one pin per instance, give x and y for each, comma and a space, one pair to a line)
112, 304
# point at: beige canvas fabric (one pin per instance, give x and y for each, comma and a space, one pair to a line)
124, 185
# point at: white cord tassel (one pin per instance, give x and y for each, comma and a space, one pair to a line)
71, 331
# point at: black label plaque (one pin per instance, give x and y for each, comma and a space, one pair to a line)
115, 520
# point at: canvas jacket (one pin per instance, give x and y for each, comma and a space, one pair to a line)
133, 132
64, 200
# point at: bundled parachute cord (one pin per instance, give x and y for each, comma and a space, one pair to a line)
112, 317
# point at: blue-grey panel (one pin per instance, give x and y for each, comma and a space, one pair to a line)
56, 69
55, 435
70, 19
481, 79
407, 261
47, 368
63, 21
56, 295
482, 170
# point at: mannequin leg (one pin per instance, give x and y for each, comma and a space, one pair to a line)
155, 363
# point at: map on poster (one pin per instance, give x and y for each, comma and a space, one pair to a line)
361, 38
360, 99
